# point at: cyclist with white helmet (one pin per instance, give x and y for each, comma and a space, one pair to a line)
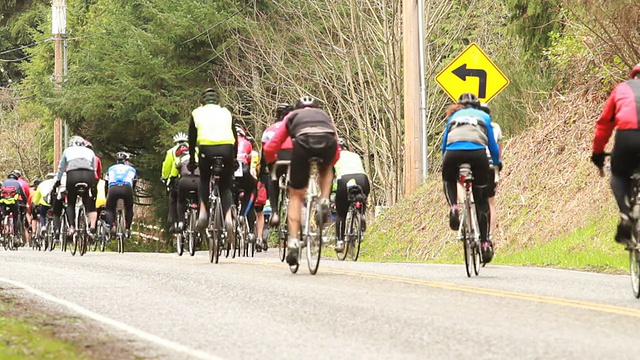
121, 179
170, 175
79, 163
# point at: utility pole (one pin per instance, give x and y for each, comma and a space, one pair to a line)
412, 120
58, 28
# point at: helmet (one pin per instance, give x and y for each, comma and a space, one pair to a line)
307, 101
636, 71
209, 96
469, 99
343, 143
122, 157
50, 175
240, 131
88, 144
76, 141
15, 174
282, 109
180, 137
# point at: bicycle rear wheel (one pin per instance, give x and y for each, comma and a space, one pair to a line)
346, 235
314, 240
180, 243
355, 237
215, 241
121, 228
81, 227
634, 270
191, 231
466, 243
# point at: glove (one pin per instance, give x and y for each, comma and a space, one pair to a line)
191, 166
55, 187
598, 160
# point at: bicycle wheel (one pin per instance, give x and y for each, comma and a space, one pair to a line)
466, 242
634, 270
121, 230
283, 231
346, 235
180, 243
63, 231
314, 239
215, 240
355, 238
191, 231
238, 241
475, 245
251, 241
81, 227
49, 234
74, 244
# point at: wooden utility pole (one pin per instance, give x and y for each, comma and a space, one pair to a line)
412, 128
58, 26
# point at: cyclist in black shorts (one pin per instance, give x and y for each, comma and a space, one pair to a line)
314, 135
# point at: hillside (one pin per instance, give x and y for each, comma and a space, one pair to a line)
549, 189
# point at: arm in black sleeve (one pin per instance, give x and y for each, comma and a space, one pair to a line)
193, 136
235, 136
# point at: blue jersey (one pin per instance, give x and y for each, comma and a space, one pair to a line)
121, 174
480, 121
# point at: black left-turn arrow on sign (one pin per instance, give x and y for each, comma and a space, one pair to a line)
462, 72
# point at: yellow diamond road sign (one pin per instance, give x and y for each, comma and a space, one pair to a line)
472, 71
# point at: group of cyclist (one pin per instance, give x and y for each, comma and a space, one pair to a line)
79, 167
299, 133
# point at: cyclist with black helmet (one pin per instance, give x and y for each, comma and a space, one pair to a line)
14, 195
272, 186
170, 177
621, 112
212, 131
120, 181
467, 134
314, 135
349, 171
79, 164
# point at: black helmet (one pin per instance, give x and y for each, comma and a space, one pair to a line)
469, 99
122, 157
209, 96
343, 143
14, 174
282, 109
307, 101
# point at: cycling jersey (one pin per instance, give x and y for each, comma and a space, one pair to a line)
621, 112
271, 130
42, 194
101, 197
470, 129
497, 134
244, 150
12, 192
121, 174
169, 169
349, 163
76, 158
213, 124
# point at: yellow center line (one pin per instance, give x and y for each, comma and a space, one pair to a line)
579, 304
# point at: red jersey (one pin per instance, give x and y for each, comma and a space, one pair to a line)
271, 130
244, 150
620, 112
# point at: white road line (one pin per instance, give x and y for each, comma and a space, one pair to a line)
122, 326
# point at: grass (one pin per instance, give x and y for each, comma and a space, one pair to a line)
21, 339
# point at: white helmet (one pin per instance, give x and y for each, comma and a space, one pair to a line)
180, 137
76, 141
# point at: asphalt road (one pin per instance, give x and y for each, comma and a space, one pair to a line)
250, 308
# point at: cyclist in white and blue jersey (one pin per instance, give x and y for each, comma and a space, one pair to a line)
466, 136
120, 181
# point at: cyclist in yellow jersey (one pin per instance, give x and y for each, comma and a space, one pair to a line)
212, 130
41, 198
101, 196
170, 177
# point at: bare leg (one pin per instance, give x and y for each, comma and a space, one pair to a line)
259, 225
296, 198
326, 180
492, 215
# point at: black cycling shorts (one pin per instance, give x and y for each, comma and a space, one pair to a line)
625, 156
305, 147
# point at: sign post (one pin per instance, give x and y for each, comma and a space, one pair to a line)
472, 72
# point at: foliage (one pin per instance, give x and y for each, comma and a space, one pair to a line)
533, 21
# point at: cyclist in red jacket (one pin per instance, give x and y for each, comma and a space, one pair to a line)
621, 112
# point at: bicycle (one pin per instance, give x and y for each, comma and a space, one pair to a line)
189, 233
243, 240
9, 238
102, 234
469, 230
352, 234
80, 237
283, 202
49, 231
216, 231
121, 226
311, 230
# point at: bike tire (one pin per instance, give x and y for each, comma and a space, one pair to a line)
356, 236
283, 235
215, 241
251, 244
634, 270
314, 240
74, 244
121, 228
191, 231
466, 244
82, 231
180, 243
238, 241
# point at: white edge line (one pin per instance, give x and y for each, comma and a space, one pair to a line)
122, 326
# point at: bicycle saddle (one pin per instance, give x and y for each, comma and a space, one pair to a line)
82, 187
465, 172
218, 164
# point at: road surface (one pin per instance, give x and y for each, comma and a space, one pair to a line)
250, 308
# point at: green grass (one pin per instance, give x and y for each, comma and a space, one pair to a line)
25, 340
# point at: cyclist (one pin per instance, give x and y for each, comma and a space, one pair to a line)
121, 179
14, 196
42, 199
212, 130
187, 182
272, 186
93, 217
170, 177
79, 164
349, 171
314, 135
261, 199
33, 208
621, 112
467, 134
246, 181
